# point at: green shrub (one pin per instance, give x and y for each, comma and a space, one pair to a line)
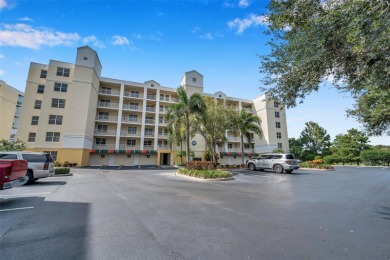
376, 157
206, 174
317, 157
309, 164
330, 159
201, 165
61, 170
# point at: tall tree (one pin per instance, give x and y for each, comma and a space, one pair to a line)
246, 124
16, 145
344, 41
296, 147
176, 129
348, 146
315, 139
187, 107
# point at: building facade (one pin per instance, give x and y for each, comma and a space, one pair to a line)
10, 107
78, 116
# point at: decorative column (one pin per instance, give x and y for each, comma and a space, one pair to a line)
155, 142
143, 118
119, 123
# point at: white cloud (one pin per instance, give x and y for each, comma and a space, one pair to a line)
26, 19
242, 24
23, 35
153, 37
2, 72
228, 4
243, 3
3, 4
207, 36
94, 41
120, 40
1, 56
7, 4
195, 29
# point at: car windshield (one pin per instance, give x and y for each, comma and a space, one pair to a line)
8, 156
290, 156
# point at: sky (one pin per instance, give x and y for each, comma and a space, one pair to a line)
159, 40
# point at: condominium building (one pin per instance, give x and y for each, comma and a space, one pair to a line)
10, 106
75, 114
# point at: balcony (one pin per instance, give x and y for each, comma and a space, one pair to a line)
150, 109
104, 146
131, 134
175, 100
130, 120
128, 147
152, 97
248, 109
162, 135
105, 132
150, 134
162, 121
107, 118
238, 150
149, 121
162, 110
131, 107
238, 139
111, 92
164, 98
148, 147
132, 95
163, 147
108, 105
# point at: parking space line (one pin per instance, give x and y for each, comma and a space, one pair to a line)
24, 195
1, 210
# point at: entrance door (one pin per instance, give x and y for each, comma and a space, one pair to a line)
136, 159
164, 159
111, 160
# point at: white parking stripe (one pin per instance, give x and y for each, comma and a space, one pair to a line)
23, 195
1, 210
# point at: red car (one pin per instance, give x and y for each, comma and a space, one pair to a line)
12, 173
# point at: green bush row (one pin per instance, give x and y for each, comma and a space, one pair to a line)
316, 166
206, 174
375, 157
61, 170
201, 165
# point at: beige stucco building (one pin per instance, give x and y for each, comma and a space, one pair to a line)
10, 106
78, 116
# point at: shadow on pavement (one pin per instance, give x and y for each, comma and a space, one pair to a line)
46, 183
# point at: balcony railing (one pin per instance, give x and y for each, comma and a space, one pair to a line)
162, 110
163, 147
130, 120
149, 134
131, 107
104, 146
150, 109
234, 139
162, 121
175, 100
153, 97
148, 147
247, 109
164, 98
112, 92
128, 147
107, 118
105, 132
238, 150
149, 121
163, 135
131, 133
108, 105
132, 95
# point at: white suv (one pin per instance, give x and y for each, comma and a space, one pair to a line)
275, 161
40, 165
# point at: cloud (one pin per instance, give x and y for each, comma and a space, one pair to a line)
2, 72
26, 19
1, 56
195, 29
228, 4
120, 40
94, 41
6, 4
243, 3
211, 36
3, 4
242, 24
23, 35
152, 37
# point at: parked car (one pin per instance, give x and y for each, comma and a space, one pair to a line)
13, 173
275, 161
40, 165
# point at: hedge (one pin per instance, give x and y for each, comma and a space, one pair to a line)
375, 157
61, 170
206, 174
201, 165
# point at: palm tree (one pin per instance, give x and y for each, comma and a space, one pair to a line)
176, 129
187, 107
246, 123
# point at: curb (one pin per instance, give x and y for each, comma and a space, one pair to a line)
203, 180
315, 169
62, 175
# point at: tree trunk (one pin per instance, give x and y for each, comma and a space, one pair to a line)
181, 152
188, 138
242, 148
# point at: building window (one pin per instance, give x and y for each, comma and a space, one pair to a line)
134, 106
277, 114
276, 104
246, 146
134, 94
60, 87
100, 141
278, 135
133, 118
34, 120
31, 137
148, 142
43, 74
106, 90
280, 146
38, 104
60, 103
103, 116
52, 136
193, 79
63, 72
55, 120
230, 146
277, 124
132, 130
130, 142
85, 58
53, 154
41, 89
102, 128
149, 131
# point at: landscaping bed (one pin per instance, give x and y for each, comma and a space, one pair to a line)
62, 171
317, 164
206, 174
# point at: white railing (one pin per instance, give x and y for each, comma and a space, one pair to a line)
162, 110
105, 132
130, 120
237, 150
131, 107
148, 147
107, 118
247, 109
132, 95
175, 100
162, 134
150, 109
128, 147
163, 147
149, 134
149, 121
104, 146
162, 121
153, 97
109, 92
127, 133
108, 104
234, 138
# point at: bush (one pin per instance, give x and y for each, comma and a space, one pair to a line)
317, 157
317, 161
201, 165
206, 174
61, 170
309, 164
376, 157
330, 159
57, 164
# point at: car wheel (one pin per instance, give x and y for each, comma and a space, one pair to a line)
278, 168
30, 177
252, 167
289, 171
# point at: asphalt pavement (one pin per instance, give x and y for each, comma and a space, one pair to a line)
154, 214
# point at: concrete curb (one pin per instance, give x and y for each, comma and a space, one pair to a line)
201, 179
315, 169
62, 175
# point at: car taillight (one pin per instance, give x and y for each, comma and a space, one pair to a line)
288, 162
46, 166
7, 172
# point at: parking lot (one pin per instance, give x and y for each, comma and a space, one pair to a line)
154, 214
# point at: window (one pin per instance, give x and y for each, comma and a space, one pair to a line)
53, 154
8, 156
133, 118
149, 131
60, 87
130, 142
280, 145
277, 124
278, 135
277, 114
43, 74
161, 96
31, 137
134, 106
132, 130
60, 103
149, 120
134, 94
103, 115
34, 157
41, 89
149, 108
55, 120
34, 120
193, 79
102, 128
166, 97
38, 104
105, 100
277, 156
100, 141
148, 142
162, 131
63, 72
276, 104
230, 146
85, 58
52, 136
106, 90
246, 146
